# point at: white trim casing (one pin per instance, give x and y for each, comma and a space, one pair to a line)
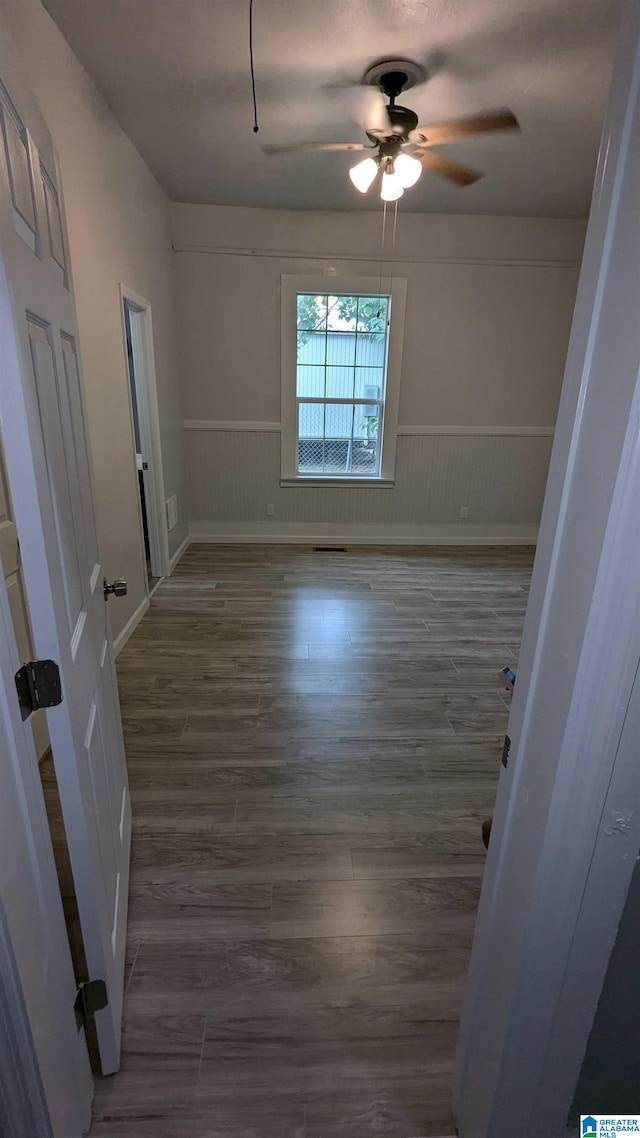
566, 826
149, 422
290, 285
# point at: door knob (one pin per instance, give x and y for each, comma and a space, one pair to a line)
118, 588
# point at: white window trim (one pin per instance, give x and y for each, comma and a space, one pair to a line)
290, 286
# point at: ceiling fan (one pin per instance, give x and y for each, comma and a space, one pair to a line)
402, 148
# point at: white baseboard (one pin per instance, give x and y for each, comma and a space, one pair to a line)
300, 533
173, 561
130, 627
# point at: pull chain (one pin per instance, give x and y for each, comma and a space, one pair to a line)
384, 227
393, 242
256, 128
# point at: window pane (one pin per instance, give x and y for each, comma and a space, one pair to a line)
369, 383
338, 421
310, 456
312, 347
341, 356
365, 457
337, 453
366, 421
310, 382
371, 350
311, 421
342, 313
372, 314
312, 311
341, 348
338, 439
366, 443
311, 438
340, 383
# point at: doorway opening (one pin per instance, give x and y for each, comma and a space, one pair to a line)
146, 436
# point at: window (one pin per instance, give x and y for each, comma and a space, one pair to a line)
339, 381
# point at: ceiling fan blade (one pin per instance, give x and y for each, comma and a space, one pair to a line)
369, 109
293, 147
490, 122
452, 171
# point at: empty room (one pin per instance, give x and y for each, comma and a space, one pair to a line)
319, 468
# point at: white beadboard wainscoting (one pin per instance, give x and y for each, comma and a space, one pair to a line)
498, 473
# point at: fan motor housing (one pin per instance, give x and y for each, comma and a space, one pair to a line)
403, 121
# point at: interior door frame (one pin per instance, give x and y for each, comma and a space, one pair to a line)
144, 379
567, 822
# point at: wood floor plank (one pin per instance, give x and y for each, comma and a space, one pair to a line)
347, 815
192, 907
380, 1061
312, 743
161, 1055
442, 909
301, 975
230, 858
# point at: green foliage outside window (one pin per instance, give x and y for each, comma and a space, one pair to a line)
318, 313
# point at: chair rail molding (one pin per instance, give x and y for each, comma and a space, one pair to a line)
405, 429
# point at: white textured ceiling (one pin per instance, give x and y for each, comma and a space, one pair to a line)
176, 75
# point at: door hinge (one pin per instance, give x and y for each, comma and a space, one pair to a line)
38, 685
91, 998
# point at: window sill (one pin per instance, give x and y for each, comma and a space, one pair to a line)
313, 480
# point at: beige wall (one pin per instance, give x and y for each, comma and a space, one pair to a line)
489, 308
117, 217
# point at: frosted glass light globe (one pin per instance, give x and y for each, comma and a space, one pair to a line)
363, 173
392, 188
408, 170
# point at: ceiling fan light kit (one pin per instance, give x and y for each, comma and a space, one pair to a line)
398, 175
392, 187
401, 146
408, 169
363, 174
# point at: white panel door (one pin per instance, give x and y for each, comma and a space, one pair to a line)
31, 905
12, 572
49, 470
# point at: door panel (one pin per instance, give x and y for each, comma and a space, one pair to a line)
54, 222
49, 468
78, 432
60, 480
16, 149
12, 572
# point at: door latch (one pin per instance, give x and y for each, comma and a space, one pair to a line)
117, 587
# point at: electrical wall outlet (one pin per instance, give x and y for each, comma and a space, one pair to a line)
270, 509
464, 511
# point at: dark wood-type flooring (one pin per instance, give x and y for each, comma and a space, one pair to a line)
313, 740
